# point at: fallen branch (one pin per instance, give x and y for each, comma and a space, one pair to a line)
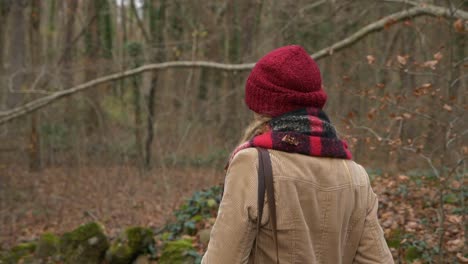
9, 115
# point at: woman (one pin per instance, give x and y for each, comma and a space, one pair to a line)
326, 211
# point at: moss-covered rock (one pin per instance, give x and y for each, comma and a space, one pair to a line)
204, 235
142, 259
139, 238
47, 246
20, 253
131, 243
86, 244
178, 252
119, 253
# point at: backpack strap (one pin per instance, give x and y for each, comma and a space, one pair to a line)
265, 182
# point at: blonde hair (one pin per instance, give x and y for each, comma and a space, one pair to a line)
257, 126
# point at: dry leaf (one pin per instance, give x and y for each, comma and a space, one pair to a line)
402, 59
412, 225
455, 245
389, 23
465, 150
430, 64
370, 59
407, 116
438, 56
456, 184
403, 178
448, 107
458, 25
455, 219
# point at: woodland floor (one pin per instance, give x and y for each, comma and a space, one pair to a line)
59, 199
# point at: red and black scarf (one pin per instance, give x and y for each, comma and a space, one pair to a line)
306, 131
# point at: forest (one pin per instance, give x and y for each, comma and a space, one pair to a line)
117, 118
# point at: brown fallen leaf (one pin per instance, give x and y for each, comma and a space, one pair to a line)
403, 178
455, 219
455, 245
456, 184
412, 224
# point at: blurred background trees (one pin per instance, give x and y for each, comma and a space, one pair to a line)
398, 95
48, 46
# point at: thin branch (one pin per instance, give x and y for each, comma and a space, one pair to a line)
458, 79
378, 25
426, 158
408, 148
404, 2
373, 132
457, 137
6, 116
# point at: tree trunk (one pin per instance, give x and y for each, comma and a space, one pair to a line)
156, 21
36, 51
17, 52
4, 10
98, 49
69, 9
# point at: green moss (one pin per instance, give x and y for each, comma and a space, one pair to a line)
86, 244
22, 252
451, 198
119, 253
412, 253
131, 243
139, 238
394, 238
47, 246
177, 252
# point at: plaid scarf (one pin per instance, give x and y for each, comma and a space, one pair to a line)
306, 131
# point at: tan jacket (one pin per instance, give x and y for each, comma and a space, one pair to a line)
326, 213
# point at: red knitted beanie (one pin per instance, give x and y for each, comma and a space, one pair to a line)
284, 80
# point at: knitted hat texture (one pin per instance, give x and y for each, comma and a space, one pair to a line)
284, 80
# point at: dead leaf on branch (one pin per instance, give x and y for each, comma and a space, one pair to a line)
459, 25
438, 56
422, 90
465, 150
430, 64
389, 23
447, 107
380, 85
403, 60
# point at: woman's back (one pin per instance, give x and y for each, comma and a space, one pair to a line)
326, 210
326, 213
